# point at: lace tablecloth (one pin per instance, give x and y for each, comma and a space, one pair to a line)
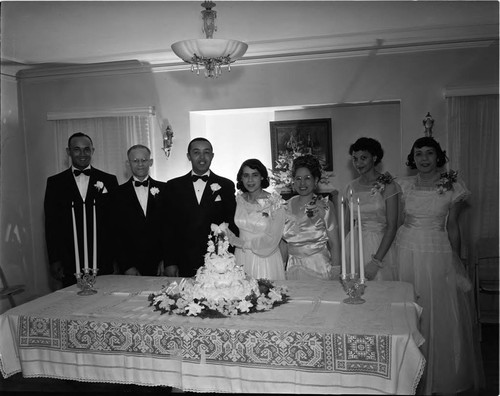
313, 344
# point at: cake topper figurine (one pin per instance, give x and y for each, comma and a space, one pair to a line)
428, 122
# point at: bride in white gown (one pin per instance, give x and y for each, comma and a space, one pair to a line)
260, 217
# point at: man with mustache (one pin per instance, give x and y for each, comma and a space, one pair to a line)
78, 188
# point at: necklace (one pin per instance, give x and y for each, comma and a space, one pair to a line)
428, 182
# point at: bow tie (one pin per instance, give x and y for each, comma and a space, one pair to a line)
78, 172
143, 183
196, 177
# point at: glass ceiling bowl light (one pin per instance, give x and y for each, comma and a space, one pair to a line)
209, 52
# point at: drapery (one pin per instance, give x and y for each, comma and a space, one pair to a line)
112, 137
473, 151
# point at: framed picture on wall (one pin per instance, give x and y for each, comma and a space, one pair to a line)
289, 138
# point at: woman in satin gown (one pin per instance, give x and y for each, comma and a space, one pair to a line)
378, 196
311, 227
428, 248
260, 217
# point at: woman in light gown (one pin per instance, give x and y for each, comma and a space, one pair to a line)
311, 227
378, 196
260, 217
428, 248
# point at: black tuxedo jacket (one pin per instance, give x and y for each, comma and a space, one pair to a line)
60, 193
138, 237
189, 222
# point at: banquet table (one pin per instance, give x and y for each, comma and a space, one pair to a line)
314, 343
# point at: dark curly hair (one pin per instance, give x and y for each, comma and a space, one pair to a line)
368, 144
252, 163
307, 161
427, 142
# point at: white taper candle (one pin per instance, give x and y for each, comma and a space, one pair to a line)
342, 238
85, 244
360, 236
352, 234
75, 240
94, 242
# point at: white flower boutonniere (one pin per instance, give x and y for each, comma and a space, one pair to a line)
154, 191
99, 185
215, 187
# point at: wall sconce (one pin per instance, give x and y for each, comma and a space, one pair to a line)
168, 137
428, 122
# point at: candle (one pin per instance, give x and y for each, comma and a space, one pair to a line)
75, 240
85, 244
94, 242
360, 235
342, 238
351, 233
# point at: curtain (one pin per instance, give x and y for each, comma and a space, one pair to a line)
473, 151
112, 137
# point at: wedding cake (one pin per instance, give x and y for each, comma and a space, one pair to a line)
220, 278
220, 287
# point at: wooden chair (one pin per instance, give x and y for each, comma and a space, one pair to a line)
9, 291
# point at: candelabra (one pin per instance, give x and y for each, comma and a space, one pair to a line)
86, 281
354, 287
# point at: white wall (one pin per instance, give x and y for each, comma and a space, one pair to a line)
415, 80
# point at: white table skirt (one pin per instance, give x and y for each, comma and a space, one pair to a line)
313, 344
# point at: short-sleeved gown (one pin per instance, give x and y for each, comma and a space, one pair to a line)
263, 227
426, 260
373, 226
307, 241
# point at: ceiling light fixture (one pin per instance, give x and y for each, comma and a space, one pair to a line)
209, 52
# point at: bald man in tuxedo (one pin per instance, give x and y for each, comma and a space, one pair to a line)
138, 218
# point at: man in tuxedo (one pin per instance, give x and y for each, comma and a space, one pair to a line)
138, 218
79, 187
195, 201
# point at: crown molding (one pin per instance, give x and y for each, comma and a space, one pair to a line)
290, 50
130, 111
470, 90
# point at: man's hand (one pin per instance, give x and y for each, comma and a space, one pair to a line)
56, 270
172, 271
132, 271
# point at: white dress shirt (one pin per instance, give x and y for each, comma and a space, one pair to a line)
142, 194
199, 185
82, 181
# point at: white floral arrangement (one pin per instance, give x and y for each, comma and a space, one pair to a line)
270, 204
281, 176
154, 191
99, 185
220, 288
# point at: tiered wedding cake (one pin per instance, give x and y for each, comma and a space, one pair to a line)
220, 287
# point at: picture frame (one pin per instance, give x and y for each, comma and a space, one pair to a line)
313, 136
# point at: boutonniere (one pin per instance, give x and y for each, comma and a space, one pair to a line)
380, 183
154, 191
215, 187
445, 183
100, 186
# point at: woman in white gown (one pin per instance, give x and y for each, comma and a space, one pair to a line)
260, 217
378, 196
428, 248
